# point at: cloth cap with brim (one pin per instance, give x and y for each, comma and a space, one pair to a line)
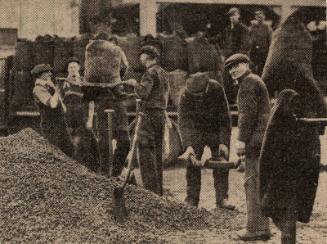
233, 11
41, 68
150, 50
236, 59
197, 82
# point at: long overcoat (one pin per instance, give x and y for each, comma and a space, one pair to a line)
290, 155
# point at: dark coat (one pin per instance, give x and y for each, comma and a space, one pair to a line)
206, 114
153, 88
254, 108
236, 40
290, 157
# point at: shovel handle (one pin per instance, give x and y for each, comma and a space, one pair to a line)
132, 150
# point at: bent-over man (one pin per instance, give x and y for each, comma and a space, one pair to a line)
204, 120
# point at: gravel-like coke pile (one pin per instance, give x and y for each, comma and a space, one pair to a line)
46, 197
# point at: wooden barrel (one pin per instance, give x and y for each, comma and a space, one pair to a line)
174, 53
23, 59
63, 51
43, 49
22, 89
177, 82
202, 56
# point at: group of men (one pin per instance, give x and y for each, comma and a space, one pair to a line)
67, 118
204, 120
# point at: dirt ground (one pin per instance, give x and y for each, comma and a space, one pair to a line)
175, 184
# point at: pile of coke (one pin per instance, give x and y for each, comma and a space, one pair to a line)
48, 197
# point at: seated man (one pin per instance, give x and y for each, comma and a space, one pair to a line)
204, 119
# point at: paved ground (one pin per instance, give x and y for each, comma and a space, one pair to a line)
174, 182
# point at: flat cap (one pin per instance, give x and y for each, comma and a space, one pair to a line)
236, 59
233, 11
41, 68
197, 82
73, 60
151, 50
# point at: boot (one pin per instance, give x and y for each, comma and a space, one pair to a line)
224, 204
245, 235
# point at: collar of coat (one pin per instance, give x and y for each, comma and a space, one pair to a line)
244, 76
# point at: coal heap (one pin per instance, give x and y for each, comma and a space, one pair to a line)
47, 196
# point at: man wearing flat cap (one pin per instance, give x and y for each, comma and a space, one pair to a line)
253, 114
153, 90
48, 100
260, 34
235, 39
204, 120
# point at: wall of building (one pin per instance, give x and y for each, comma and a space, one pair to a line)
40, 17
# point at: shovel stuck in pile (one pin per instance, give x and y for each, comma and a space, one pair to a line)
119, 210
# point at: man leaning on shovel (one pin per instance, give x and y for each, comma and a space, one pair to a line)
204, 120
153, 90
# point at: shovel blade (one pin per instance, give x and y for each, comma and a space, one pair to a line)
119, 210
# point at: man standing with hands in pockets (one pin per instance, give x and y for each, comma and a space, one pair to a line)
254, 109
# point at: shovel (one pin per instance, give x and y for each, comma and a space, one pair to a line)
119, 210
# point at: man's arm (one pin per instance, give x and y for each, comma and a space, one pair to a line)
144, 88
185, 121
225, 118
43, 95
245, 40
248, 107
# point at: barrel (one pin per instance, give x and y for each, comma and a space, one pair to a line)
174, 53
177, 83
202, 56
22, 89
43, 49
63, 51
23, 59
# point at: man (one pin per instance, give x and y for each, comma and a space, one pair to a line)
254, 108
236, 35
153, 90
261, 37
84, 142
113, 101
48, 100
124, 61
204, 119
235, 39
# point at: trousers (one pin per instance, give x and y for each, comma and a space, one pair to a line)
150, 150
193, 177
255, 220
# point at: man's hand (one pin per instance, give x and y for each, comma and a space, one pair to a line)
131, 82
186, 155
240, 150
223, 151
